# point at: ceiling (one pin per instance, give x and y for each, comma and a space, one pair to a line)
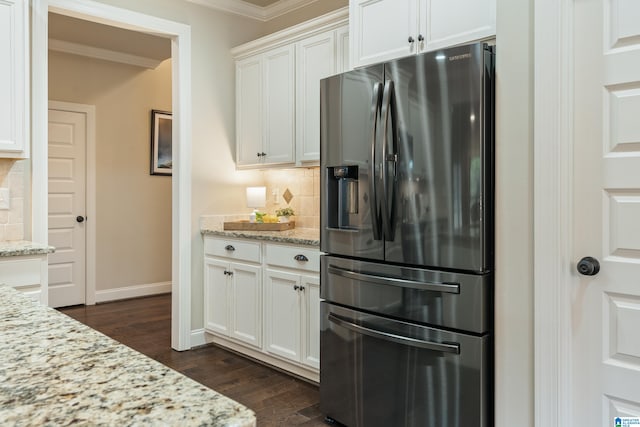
86, 33
261, 3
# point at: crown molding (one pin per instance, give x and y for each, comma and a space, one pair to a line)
104, 54
326, 22
240, 7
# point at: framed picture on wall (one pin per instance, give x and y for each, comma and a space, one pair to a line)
161, 161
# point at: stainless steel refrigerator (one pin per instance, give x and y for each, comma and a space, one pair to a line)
407, 231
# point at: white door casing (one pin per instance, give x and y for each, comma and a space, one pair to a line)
180, 35
67, 188
587, 190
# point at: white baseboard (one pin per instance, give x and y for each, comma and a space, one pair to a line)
134, 291
198, 337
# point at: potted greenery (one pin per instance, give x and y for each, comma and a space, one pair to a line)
284, 214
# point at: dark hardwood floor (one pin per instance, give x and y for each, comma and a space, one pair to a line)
144, 324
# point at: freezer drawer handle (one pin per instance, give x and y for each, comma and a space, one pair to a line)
451, 288
429, 345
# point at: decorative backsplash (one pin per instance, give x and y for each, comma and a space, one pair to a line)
301, 187
12, 220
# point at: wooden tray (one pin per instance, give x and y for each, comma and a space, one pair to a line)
258, 226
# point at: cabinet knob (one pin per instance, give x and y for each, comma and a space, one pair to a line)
301, 257
420, 38
230, 248
296, 287
301, 288
263, 154
259, 154
410, 39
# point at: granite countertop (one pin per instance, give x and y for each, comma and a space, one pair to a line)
299, 236
57, 371
23, 247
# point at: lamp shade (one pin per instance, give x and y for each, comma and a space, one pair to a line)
256, 197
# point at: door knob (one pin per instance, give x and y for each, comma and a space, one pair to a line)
588, 266
80, 218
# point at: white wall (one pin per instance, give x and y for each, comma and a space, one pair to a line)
514, 214
133, 208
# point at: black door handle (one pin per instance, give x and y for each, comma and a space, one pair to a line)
588, 266
80, 218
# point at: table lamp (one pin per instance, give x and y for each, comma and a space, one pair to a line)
256, 198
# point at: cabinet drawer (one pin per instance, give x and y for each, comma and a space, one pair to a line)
233, 249
285, 256
20, 272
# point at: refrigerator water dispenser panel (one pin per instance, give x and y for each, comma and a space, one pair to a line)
343, 196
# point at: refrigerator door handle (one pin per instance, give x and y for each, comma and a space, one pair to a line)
375, 207
388, 193
412, 342
450, 288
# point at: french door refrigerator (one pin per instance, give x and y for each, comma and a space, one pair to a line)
407, 235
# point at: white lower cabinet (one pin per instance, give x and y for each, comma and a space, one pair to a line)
233, 300
257, 289
292, 322
28, 274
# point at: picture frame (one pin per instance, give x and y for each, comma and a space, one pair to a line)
161, 142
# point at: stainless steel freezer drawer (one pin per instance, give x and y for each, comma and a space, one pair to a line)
376, 371
437, 298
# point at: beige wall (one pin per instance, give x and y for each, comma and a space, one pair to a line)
133, 208
514, 214
12, 221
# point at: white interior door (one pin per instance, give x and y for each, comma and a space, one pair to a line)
67, 181
606, 306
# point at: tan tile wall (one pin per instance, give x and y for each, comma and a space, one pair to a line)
304, 184
12, 220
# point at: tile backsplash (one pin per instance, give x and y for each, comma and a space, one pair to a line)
12, 220
304, 191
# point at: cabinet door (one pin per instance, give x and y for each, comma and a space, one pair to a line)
451, 22
249, 111
311, 321
315, 59
279, 87
380, 30
216, 296
342, 50
282, 314
14, 74
246, 303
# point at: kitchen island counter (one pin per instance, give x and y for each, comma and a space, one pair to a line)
57, 371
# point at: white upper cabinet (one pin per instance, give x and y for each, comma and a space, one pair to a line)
265, 108
279, 87
249, 110
316, 59
382, 30
14, 78
278, 91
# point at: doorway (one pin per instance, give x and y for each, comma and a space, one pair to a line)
180, 35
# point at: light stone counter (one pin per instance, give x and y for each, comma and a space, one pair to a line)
23, 247
213, 225
57, 371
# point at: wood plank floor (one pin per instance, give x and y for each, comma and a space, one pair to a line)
144, 324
